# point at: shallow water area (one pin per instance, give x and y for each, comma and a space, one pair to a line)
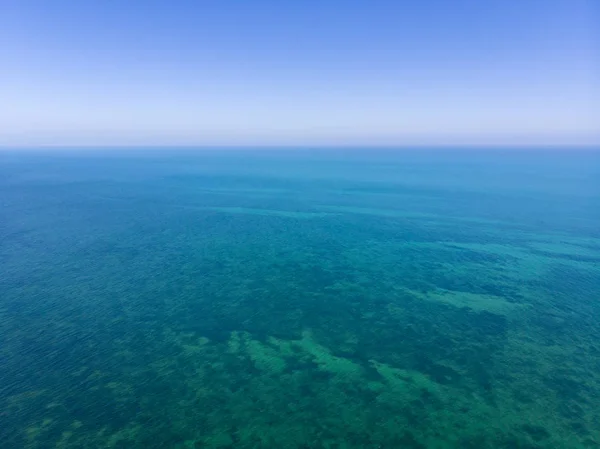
300, 298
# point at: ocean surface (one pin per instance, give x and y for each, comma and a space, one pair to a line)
290, 299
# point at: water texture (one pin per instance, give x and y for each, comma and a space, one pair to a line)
300, 299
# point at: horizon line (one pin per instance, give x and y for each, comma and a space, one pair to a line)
315, 146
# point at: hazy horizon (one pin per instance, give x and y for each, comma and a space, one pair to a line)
318, 73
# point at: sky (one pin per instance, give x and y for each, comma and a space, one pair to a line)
299, 72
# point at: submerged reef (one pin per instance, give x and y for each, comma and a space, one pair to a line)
238, 310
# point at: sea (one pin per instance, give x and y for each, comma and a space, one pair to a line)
287, 298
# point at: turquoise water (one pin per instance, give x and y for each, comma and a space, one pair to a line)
300, 299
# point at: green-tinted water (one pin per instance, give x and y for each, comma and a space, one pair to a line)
300, 300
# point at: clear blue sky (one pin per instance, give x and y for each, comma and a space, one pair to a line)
299, 72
